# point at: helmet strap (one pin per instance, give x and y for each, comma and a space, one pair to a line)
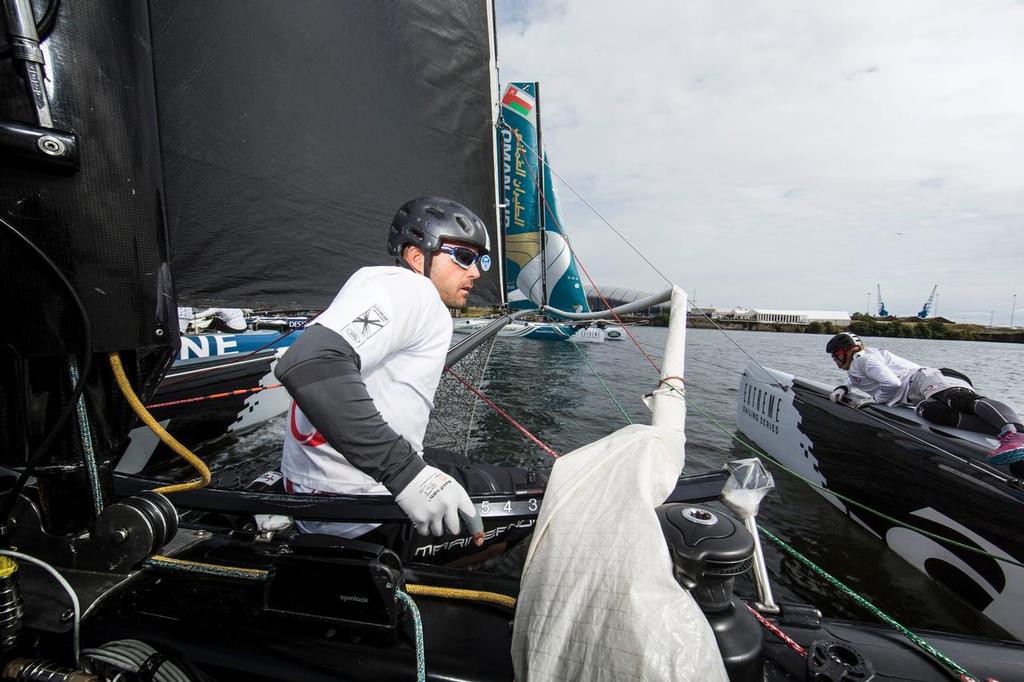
427, 259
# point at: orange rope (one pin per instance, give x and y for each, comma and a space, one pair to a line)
212, 396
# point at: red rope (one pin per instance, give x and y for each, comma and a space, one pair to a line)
212, 396
547, 208
503, 413
777, 631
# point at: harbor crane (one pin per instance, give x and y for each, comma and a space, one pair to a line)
882, 312
928, 304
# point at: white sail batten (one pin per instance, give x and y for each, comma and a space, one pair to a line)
626, 309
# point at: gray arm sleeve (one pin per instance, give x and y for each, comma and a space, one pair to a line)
321, 372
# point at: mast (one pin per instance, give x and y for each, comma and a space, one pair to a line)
541, 203
499, 243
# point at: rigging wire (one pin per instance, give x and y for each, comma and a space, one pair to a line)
503, 413
601, 381
547, 209
644, 258
882, 615
860, 505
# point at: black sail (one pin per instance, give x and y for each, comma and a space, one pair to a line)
292, 131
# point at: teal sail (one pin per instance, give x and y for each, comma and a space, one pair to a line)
537, 273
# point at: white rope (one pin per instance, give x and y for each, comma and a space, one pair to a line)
63, 583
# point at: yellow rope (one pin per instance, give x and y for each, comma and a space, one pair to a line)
168, 439
455, 593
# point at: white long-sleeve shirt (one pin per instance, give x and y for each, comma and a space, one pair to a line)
882, 375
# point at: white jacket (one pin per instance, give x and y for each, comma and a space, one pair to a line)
882, 375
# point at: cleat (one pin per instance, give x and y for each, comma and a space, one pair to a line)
1011, 449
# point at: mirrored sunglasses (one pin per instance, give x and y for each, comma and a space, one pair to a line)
462, 256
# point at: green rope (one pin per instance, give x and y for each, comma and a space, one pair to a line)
855, 503
417, 621
603, 385
886, 618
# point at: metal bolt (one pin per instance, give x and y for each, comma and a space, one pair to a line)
52, 146
120, 535
67, 615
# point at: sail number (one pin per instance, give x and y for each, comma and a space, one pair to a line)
509, 507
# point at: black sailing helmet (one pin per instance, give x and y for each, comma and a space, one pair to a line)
843, 340
425, 222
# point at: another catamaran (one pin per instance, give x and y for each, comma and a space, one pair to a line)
892, 467
231, 147
540, 268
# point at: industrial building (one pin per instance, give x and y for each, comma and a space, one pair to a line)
616, 296
773, 316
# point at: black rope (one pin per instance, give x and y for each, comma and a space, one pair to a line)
37, 456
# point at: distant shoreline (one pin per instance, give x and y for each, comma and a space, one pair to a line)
934, 328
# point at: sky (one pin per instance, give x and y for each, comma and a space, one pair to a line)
787, 154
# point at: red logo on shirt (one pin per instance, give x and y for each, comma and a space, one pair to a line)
312, 439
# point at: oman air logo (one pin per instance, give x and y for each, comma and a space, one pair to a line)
365, 326
521, 102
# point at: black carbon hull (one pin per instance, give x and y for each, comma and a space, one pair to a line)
185, 409
889, 459
226, 628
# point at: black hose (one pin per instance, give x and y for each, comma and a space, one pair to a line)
43, 26
37, 456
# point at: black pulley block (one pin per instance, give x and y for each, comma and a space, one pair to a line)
831, 661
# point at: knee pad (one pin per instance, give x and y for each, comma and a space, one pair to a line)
959, 398
938, 412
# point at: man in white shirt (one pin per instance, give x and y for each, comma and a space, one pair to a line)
941, 396
363, 374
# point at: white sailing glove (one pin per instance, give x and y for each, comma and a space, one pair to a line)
838, 393
434, 499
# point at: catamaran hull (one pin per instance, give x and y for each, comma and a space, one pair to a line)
233, 627
889, 459
538, 331
208, 394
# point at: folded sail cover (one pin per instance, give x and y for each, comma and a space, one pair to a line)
291, 132
598, 600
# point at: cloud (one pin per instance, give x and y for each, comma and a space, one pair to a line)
786, 154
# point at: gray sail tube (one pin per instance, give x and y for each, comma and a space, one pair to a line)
639, 304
